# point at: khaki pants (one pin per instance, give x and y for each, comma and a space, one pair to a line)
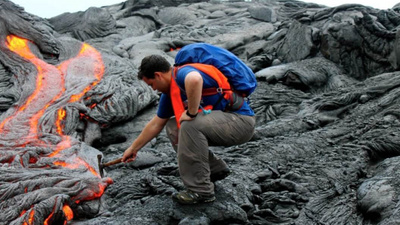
195, 161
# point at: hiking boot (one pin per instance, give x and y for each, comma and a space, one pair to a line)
220, 175
188, 197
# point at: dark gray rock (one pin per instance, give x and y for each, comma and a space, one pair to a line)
327, 107
263, 13
309, 75
93, 23
172, 16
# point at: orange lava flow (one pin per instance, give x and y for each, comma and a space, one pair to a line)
49, 90
49, 87
46, 221
78, 163
61, 116
39, 85
22, 213
66, 165
88, 50
64, 144
69, 215
31, 217
90, 168
91, 195
172, 49
19, 46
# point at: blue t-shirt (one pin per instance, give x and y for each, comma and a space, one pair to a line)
165, 108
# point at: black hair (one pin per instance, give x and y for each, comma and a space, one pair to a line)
151, 64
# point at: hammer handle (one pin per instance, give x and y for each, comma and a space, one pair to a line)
115, 161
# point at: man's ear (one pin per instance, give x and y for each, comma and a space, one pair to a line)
157, 75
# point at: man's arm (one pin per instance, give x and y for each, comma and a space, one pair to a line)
193, 88
150, 131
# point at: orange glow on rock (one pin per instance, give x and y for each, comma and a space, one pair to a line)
86, 51
66, 165
94, 194
78, 162
69, 215
66, 143
172, 49
61, 116
19, 46
32, 160
22, 213
21, 161
31, 217
46, 221
90, 168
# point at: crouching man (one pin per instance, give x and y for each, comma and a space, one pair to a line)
196, 114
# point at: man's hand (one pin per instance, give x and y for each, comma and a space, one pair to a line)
129, 155
185, 117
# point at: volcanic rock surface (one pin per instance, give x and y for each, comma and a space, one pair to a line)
327, 106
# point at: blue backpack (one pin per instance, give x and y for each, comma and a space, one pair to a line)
240, 76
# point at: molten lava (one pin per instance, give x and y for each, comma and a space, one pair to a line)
24, 143
69, 215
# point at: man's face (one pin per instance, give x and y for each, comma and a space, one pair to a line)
159, 83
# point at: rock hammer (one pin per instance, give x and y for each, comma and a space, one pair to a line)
103, 165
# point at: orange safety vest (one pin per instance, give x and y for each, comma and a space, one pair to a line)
175, 92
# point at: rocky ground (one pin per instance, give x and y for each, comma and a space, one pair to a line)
327, 138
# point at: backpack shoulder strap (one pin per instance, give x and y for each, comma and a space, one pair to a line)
214, 73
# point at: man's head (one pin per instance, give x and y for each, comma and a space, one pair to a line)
155, 70
151, 64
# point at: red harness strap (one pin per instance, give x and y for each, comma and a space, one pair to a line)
175, 93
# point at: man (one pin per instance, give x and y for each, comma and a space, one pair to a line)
191, 131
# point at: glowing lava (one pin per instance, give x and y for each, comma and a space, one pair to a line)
49, 87
21, 133
69, 215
